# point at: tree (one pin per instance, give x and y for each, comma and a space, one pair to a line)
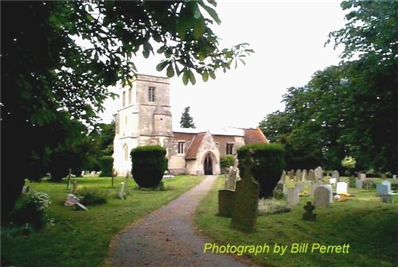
186, 119
48, 79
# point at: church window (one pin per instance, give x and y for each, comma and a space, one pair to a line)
130, 96
123, 99
181, 147
126, 152
152, 94
229, 148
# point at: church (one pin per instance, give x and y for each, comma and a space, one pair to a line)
145, 119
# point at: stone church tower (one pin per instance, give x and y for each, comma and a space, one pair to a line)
144, 119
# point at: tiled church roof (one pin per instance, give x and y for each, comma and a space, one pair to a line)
254, 136
194, 146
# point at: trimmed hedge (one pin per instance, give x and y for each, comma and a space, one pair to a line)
148, 165
268, 166
106, 166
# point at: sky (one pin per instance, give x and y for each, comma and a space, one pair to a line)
288, 38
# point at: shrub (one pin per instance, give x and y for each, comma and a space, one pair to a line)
93, 196
33, 209
106, 166
226, 161
268, 165
148, 165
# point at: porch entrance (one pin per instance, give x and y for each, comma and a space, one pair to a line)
208, 165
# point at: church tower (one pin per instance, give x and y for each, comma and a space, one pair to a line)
144, 119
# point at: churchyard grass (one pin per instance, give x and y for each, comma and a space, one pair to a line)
81, 238
367, 225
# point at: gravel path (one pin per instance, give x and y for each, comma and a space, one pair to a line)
167, 237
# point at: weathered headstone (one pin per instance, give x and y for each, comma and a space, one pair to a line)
283, 177
231, 183
279, 187
329, 187
309, 215
332, 181
386, 199
226, 202
359, 184
318, 173
314, 186
382, 189
121, 192
73, 200
322, 197
388, 183
299, 186
293, 196
304, 175
311, 175
341, 188
74, 187
291, 174
335, 174
362, 176
298, 175
246, 200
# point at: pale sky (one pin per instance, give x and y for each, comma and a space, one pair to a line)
288, 38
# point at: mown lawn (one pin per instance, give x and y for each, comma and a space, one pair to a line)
81, 238
368, 226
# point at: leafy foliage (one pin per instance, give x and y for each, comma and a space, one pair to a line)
268, 167
106, 165
148, 165
226, 161
93, 196
186, 119
50, 79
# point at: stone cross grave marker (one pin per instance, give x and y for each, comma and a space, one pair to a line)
309, 215
244, 215
322, 197
341, 188
298, 175
293, 196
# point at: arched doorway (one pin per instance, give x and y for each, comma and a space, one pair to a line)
208, 165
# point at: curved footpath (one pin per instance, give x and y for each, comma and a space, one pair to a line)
166, 237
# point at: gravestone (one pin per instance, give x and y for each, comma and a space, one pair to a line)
314, 186
382, 189
244, 215
318, 173
322, 197
362, 176
359, 184
121, 192
226, 202
304, 175
73, 200
341, 188
291, 174
293, 196
74, 187
309, 215
298, 175
311, 175
389, 184
386, 199
231, 183
335, 174
283, 177
329, 187
279, 187
299, 187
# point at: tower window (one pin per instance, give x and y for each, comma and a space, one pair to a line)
123, 98
152, 94
229, 148
181, 147
130, 96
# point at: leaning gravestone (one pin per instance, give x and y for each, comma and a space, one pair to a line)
72, 200
246, 200
311, 175
283, 177
293, 196
298, 175
322, 197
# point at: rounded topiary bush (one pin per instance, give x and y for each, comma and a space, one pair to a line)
226, 161
106, 166
268, 165
148, 165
